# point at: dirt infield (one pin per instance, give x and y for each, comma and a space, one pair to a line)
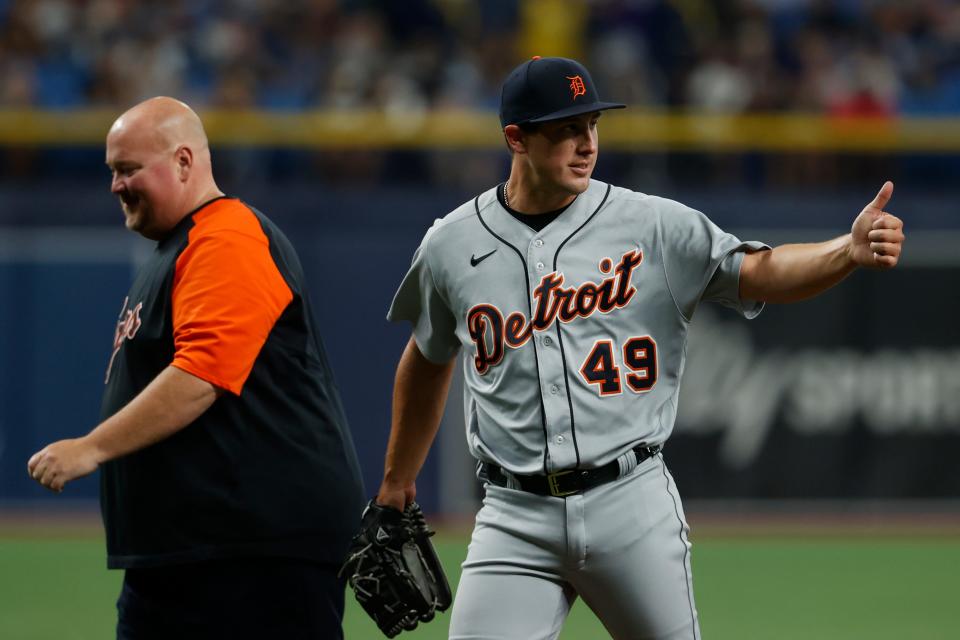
27, 521
708, 519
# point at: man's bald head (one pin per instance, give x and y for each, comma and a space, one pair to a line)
162, 124
160, 158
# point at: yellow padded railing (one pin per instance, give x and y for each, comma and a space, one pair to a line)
630, 130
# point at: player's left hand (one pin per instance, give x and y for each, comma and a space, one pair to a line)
57, 464
394, 569
877, 236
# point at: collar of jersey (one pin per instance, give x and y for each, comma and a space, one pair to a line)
502, 223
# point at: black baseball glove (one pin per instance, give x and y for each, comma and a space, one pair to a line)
393, 569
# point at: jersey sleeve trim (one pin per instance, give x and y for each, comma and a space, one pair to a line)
434, 355
750, 309
421, 301
666, 272
429, 267
710, 285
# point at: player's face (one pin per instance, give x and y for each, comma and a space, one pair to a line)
145, 180
563, 153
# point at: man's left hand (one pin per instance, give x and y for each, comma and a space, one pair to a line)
57, 464
876, 238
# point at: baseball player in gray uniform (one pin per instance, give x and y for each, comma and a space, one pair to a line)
571, 299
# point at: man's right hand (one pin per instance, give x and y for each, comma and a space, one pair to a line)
57, 464
398, 498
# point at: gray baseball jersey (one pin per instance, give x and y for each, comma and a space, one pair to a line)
575, 334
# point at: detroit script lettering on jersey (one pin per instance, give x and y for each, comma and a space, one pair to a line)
127, 326
490, 332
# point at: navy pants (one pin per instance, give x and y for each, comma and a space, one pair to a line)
236, 599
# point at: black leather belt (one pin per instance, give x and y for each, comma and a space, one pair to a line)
568, 482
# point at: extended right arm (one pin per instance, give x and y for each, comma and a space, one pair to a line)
419, 395
171, 402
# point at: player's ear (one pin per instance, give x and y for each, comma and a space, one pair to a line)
514, 136
183, 157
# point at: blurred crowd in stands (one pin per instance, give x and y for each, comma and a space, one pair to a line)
824, 56
837, 57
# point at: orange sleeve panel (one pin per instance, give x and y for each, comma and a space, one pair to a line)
227, 295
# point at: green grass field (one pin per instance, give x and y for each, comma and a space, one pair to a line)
777, 587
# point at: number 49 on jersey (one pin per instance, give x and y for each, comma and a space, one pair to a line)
639, 356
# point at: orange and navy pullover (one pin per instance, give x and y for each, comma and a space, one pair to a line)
269, 469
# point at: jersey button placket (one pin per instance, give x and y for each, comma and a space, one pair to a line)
537, 257
550, 364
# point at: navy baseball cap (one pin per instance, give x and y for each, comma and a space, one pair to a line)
543, 89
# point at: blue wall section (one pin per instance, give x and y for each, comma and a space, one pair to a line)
56, 324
